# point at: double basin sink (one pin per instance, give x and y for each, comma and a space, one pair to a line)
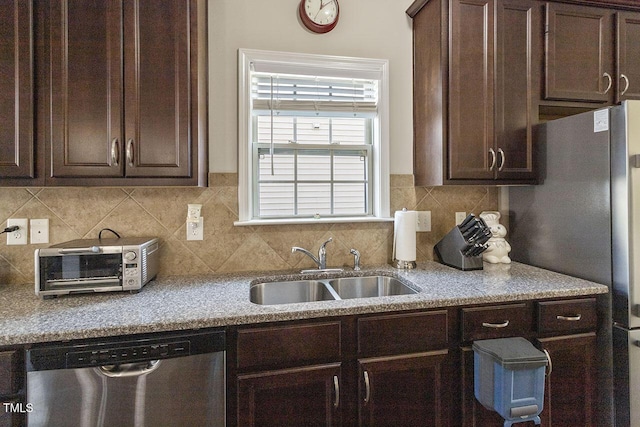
297, 291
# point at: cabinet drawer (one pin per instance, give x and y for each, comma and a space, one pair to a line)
9, 372
289, 345
567, 316
402, 333
498, 321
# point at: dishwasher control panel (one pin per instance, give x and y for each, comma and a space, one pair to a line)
124, 349
112, 356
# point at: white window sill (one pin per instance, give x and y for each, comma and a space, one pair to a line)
281, 221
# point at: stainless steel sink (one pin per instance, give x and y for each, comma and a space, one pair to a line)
370, 286
298, 291
272, 293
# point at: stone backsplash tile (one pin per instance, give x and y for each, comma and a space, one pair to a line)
82, 212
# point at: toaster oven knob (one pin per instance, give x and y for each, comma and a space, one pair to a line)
130, 256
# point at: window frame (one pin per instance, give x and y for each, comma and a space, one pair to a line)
335, 66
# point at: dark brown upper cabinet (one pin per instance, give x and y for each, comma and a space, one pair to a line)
628, 55
591, 54
17, 157
121, 79
579, 53
476, 84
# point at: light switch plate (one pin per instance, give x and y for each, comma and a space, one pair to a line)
460, 216
18, 237
423, 221
39, 231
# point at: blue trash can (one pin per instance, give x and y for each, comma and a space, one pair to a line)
509, 378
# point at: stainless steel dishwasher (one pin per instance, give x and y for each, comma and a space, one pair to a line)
173, 379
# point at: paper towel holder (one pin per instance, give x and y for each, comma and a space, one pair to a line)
405, 265
397, 263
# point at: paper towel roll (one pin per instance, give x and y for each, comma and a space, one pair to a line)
404, 235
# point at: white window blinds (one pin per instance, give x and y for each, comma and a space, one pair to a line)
335, 96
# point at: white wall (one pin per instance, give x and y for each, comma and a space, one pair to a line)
367, 28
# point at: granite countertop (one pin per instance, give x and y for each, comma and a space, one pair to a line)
182, 302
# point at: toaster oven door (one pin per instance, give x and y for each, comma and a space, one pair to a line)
78, 271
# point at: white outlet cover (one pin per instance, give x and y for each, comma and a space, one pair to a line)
18, 237
39, 231
460, 216
195, 230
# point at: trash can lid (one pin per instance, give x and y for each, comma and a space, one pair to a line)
514, 353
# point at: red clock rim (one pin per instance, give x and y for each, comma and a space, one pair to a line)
317, 28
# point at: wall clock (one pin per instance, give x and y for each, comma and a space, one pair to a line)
319, 16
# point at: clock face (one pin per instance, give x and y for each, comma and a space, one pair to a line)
319, 15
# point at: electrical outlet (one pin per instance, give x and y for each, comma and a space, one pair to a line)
39, 231
423, 221
18, 237
195, 229
460, 216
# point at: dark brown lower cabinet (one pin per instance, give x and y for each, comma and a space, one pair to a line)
408, 368
570, 388
13, 407
403, 390
306, 396
379, 370
566, 330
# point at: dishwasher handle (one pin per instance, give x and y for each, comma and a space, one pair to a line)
129, 369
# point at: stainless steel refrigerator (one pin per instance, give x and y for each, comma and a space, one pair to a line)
584, 220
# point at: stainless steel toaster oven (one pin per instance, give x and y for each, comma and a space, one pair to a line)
96, 265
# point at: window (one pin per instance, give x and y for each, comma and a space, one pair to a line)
312, 138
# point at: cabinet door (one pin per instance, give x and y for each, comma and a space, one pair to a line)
471, 87
157, 88
628, 55
407, 390
308, 396
16, 90
571, 387
579, 53
85, 52
517, 87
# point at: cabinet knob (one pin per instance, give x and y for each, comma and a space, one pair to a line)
609, 83
626, 87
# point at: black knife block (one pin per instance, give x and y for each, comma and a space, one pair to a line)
450, 248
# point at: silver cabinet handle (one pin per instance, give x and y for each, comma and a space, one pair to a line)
336, 388
503, 159
549, 359
493, 158
610, 83
115, 151
496, 325
575, 318
626, 87
130, 152
367, 388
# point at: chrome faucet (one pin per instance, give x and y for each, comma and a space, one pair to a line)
356, 259
321, 259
